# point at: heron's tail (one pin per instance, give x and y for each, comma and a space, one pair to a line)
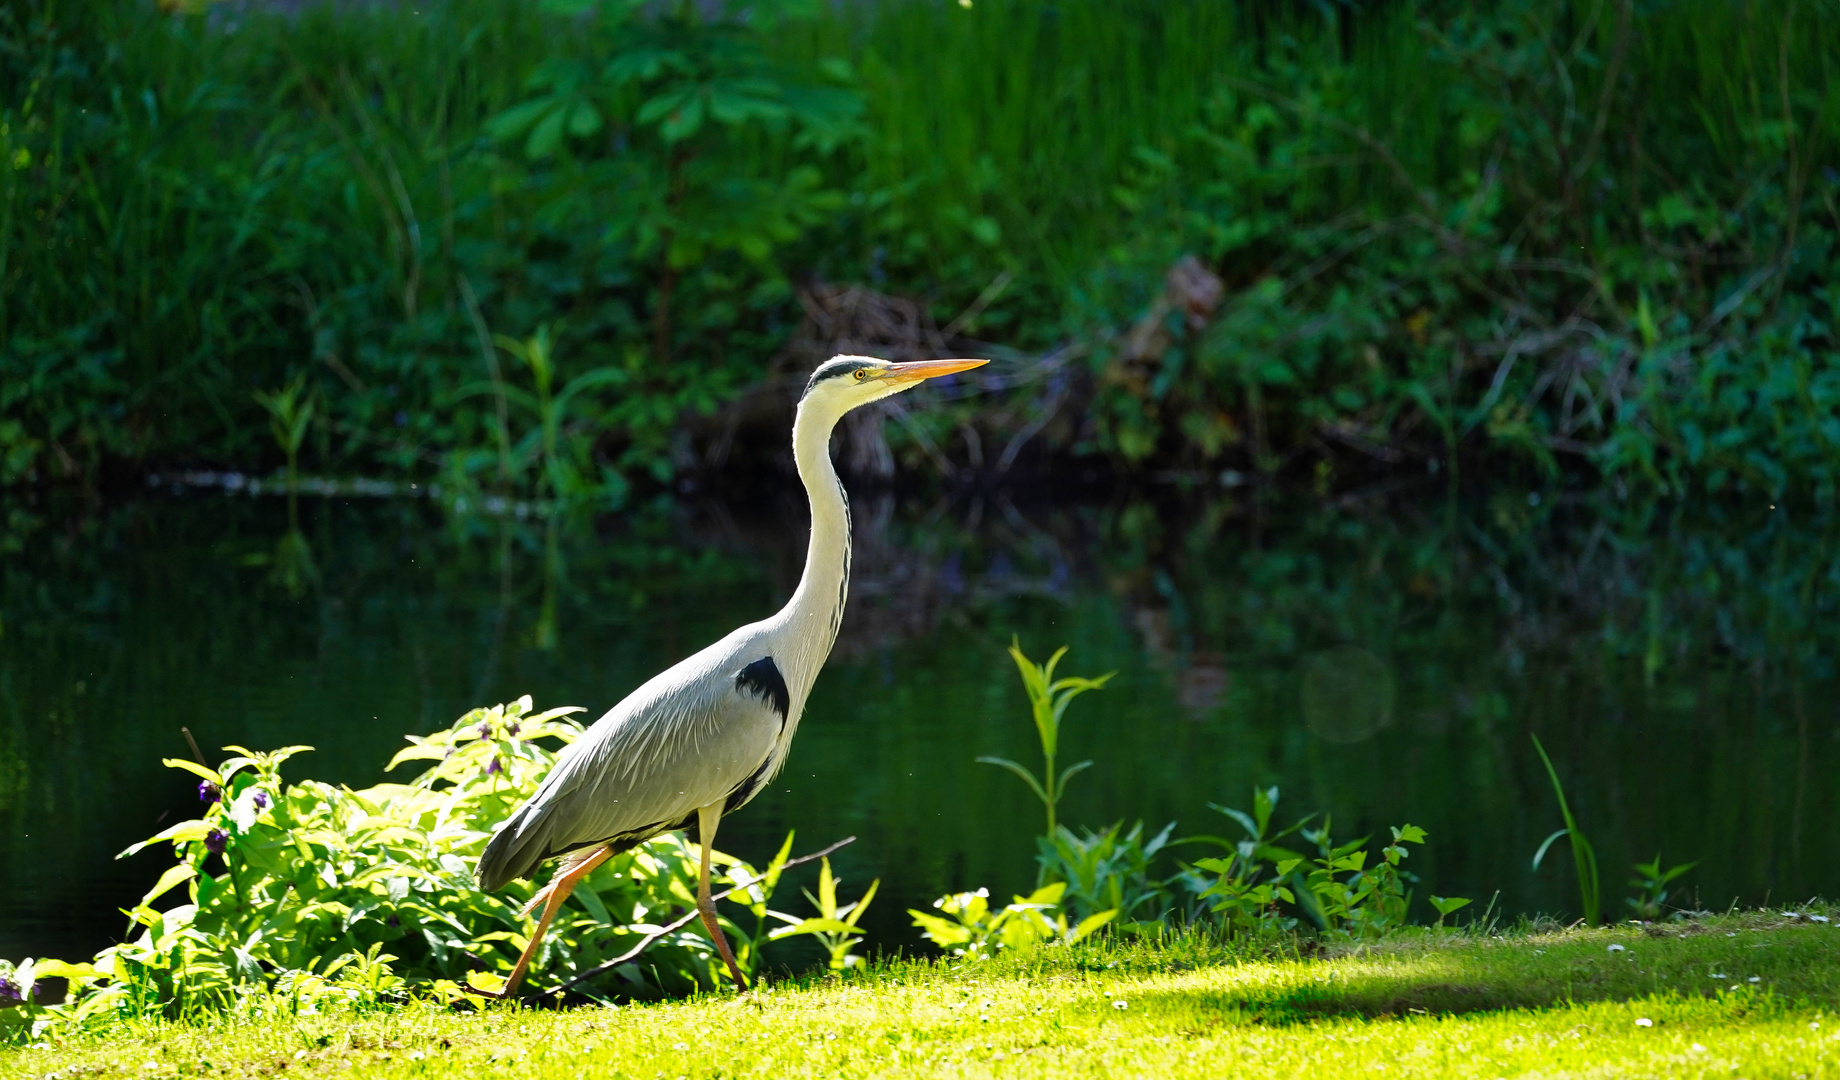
529, 838
516, 850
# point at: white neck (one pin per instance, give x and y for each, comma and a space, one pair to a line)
812, 615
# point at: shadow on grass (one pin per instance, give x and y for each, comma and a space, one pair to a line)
1798, 963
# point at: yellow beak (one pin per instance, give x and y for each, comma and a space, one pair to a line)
928, 369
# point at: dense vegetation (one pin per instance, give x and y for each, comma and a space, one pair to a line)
505, 244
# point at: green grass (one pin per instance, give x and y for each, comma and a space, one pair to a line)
1451, 1004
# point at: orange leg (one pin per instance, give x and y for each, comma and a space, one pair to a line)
706, 819
551, 896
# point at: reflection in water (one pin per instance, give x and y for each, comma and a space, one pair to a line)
1347, 694
1384, 661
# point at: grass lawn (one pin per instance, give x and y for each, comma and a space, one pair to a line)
1750, 995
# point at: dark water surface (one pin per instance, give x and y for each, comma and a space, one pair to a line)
1384, 660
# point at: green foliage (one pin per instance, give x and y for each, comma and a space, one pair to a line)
1583, 854
558, 452
1048, 701
306, 891
1651, 883
1104, 871
1438, 233
1247, 888
1348, 898
1261, 888
975, 931
1448, 905
290, 413
835, 925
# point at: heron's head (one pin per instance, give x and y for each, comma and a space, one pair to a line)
843, 383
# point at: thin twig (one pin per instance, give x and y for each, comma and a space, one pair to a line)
680, 923
193, 743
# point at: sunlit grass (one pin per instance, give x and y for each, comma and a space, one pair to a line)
1450, 1004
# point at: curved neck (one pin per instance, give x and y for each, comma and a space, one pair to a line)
816, 608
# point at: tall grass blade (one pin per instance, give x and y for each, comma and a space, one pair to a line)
1583, 855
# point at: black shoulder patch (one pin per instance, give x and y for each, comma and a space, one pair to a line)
762, 679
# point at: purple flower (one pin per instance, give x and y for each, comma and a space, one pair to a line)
485, 730
207, 792
393, 921
513, 729
10, 994
216, 841
495, 768
260, 798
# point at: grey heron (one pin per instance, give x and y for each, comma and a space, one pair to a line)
705, 736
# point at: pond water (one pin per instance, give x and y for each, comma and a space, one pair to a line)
1383, 659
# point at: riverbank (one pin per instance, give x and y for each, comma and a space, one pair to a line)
1557, 241
1750, 994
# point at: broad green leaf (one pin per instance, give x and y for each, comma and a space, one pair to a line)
683, 122
1091, 923
862, 905
815, 926
192, 767
1047, 896
183, 832
174, 875
545, 136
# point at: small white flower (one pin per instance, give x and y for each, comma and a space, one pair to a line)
1814, 1025
1715, 975
679, 1046
1617, 948
1697, 1048
983, 892
1121, 1004
1755, 978
1819, 918
1108, 993
1643, 1021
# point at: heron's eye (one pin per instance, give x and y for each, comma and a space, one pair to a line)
860, 373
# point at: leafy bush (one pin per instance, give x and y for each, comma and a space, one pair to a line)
1263, 889
305, 889
1107, 872
970, 928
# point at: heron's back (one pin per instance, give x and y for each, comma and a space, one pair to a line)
694, 735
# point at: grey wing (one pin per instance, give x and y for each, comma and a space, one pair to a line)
681, 742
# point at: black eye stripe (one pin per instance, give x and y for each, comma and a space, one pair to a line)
836, 369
